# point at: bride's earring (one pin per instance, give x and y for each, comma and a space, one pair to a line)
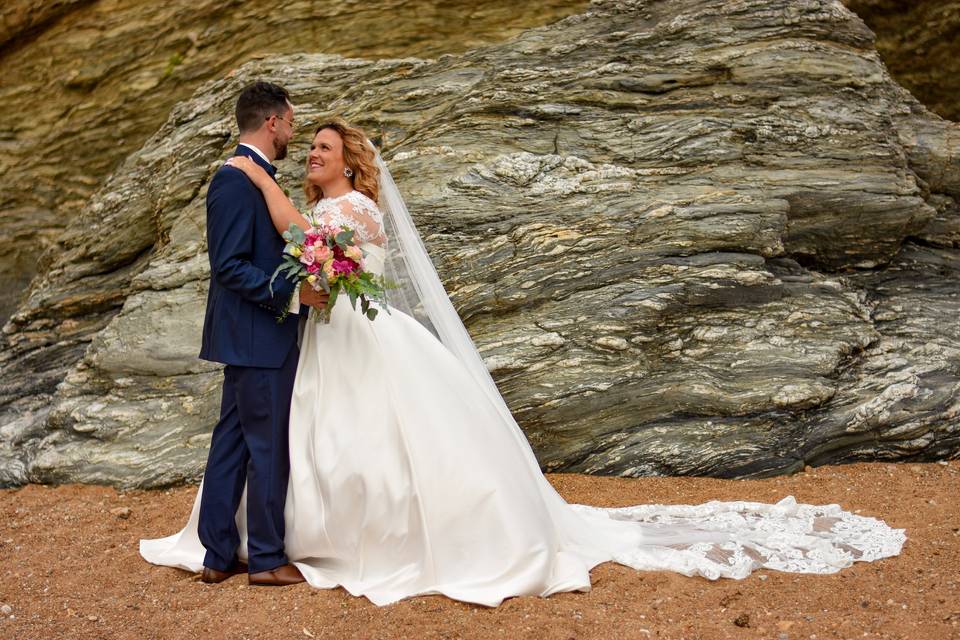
347, 171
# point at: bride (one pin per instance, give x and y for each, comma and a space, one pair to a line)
409, 475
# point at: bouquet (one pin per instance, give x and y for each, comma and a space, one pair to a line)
326, 257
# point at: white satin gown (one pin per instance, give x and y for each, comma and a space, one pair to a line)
405, 480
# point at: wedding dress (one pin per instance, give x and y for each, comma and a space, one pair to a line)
407, 477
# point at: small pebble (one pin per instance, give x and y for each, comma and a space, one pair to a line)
121, 512
6, 609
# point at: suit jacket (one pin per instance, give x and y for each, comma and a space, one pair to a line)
240, 327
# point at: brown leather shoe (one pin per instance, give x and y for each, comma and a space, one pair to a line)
281, 576
212, 576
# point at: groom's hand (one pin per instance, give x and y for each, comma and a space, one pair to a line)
313, 298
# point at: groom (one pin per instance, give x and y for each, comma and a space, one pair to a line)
240, 330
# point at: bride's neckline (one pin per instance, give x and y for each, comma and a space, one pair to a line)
340, 197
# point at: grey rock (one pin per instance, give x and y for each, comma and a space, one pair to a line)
85, 84
688, 237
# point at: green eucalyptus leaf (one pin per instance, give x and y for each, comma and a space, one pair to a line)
274, 277
296, 234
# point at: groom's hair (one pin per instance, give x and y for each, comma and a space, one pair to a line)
259, 101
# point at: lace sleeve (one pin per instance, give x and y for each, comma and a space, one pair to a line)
356, 211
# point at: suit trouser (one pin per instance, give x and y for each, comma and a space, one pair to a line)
249, 443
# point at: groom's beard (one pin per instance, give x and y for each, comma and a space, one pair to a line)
279, 150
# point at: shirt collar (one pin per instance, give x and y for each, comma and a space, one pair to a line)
258, 152
257, 157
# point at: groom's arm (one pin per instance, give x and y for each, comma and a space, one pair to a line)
230, 224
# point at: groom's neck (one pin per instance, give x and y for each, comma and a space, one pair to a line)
263, 143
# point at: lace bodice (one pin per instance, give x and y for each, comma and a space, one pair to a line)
355, 210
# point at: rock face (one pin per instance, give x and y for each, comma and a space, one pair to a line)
21, 18
919, 44
87, 83
688, 236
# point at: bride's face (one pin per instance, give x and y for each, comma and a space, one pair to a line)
325, 160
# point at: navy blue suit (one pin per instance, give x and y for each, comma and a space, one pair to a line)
250, 441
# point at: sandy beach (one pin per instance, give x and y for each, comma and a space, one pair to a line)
71, 570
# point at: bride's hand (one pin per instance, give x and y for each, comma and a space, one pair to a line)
255, 172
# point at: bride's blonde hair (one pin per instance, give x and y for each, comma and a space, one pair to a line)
357, 155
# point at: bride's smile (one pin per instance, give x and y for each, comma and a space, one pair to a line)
327, 167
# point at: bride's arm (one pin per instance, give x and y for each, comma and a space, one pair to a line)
282, 211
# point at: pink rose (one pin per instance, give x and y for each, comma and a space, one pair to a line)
308, 257
322, 253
